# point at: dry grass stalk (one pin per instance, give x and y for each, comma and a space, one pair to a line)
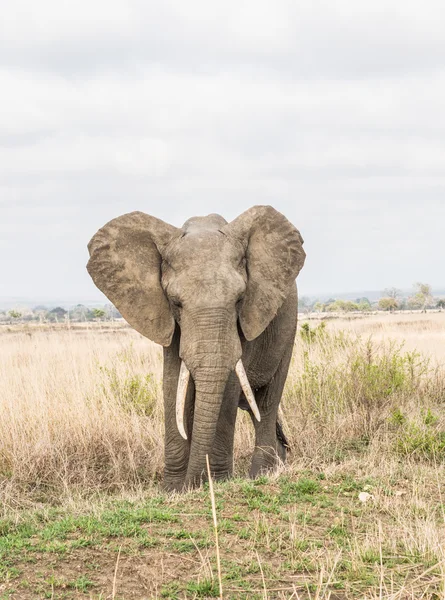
215, 527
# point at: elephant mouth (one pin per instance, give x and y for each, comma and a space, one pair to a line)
183, 381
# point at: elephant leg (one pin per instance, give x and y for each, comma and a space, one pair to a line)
270, 443
222, 453
177, 449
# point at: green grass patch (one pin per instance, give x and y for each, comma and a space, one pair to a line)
291, 523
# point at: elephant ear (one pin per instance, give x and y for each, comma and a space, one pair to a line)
274, 257
125, 264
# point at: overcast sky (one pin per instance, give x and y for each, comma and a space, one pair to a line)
333, 112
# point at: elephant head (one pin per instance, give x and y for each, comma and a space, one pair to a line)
219, 282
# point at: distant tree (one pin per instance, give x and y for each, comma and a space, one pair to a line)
332, 306
350, 306
392, 292
80, 313
388, 303
423, 288
342, 306
363, 300
363, 304
422, 297
98, 313
440, 303
319, 307
415, 302
57, 314
304, 304
40, 312
59, 311
403, 304
112, 312
14, 314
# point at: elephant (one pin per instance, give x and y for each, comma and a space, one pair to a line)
221, 299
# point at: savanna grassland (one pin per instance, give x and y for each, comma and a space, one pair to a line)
357, 512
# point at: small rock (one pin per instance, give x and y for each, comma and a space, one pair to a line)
364, 497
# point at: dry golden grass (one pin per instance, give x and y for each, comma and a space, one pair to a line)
82, 406
424, 332
64, 417
81, 416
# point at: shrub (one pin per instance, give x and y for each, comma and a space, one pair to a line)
308, 334
420, 441
420, 436
133, 391
347, 390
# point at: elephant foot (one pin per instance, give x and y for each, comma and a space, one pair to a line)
187, 483
172, 488
265, 460
173, 485
195, 482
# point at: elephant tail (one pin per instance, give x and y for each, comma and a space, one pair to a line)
281, 437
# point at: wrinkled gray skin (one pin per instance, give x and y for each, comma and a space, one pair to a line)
211, 293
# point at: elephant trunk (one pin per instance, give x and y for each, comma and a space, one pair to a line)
181, 394
210, 348
209, 392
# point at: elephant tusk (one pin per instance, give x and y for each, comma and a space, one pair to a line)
184, 376
245, 385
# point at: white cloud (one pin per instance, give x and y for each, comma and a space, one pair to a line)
332, 112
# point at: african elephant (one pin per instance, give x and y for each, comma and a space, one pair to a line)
221, 298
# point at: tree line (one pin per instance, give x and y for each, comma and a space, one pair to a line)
58, 314
392, 299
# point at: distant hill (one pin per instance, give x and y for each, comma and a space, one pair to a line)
7, 303
372, 295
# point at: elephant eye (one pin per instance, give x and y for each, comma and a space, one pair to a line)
176, 302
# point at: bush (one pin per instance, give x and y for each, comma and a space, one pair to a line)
132, 391
348, 390
419, 437
309, 335
420, 442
